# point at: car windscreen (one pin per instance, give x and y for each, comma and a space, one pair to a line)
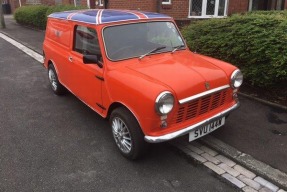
137, 39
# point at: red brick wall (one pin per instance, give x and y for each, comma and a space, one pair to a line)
48, 2
178, 9
237, 6
143, 5
14, 4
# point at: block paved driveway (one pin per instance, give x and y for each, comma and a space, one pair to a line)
51, 143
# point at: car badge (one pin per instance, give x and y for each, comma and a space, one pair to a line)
58, 33
207, 85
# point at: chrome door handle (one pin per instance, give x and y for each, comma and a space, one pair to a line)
70, 59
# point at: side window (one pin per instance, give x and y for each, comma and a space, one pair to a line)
86, 41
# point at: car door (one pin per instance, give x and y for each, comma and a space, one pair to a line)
86, 79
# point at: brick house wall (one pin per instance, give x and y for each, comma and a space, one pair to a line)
237, 6
178, 9
14, 4
144, 5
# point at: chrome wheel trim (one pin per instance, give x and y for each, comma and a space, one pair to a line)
53, 80
122, 135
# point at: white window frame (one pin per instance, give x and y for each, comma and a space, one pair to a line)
33, 2
89, 4
203, 10
101, 3
75, 3
166, 3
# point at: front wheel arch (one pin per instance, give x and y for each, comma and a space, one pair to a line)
126, 129
115, 105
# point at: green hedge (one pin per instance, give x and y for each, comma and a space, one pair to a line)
36, 15
59, 8
256, 42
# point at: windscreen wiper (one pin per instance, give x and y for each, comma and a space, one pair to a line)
177, 47
152, 51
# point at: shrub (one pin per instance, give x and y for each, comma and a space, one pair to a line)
59, 8
34, 16
255, 42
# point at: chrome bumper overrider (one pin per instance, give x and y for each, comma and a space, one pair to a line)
162, 138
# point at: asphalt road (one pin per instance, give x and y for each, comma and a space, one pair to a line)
31, 38
259, 130
51, 143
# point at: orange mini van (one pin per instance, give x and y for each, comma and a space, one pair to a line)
135, 69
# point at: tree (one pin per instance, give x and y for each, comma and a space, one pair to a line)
2, 21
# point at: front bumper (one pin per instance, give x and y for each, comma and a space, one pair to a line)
169, 136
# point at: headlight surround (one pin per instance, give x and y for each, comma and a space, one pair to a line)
236, 79
164, 103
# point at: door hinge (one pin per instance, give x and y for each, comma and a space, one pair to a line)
102, 107
100, 78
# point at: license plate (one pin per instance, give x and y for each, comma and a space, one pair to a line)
204, 130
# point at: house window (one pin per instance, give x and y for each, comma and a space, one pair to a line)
58, 2
77, 3
166, 2
33, 2
207, 8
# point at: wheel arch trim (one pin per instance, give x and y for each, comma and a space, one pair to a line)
117, 104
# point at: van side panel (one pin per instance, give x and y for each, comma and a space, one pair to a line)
59, 31
57, 46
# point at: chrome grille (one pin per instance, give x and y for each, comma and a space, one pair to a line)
200, 106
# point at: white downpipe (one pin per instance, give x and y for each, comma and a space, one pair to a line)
89, 4
250, 5
20, 3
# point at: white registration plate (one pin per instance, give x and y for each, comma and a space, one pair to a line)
204, 130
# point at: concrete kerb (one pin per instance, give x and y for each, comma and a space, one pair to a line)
260, 168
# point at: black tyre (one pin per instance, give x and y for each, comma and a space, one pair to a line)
56, 86
127, 134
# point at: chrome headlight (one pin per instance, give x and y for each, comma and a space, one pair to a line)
164, 103
236, 79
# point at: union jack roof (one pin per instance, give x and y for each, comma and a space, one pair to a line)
101, 16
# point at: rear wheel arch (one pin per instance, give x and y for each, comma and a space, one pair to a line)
55, 84
51, 62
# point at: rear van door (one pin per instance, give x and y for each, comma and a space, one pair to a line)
86, 79
57, 46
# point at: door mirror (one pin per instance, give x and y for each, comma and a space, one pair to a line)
92, 59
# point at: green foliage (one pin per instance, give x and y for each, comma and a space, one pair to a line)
256, 42
36, 15
59, 8
33, 16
